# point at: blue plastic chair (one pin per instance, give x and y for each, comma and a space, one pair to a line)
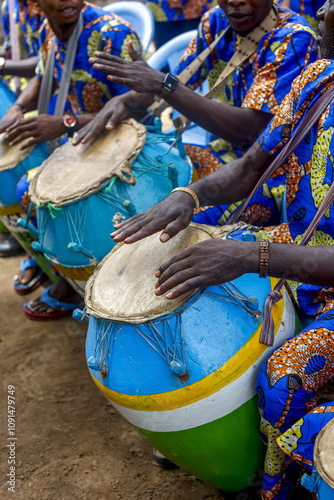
169, 55
139, 16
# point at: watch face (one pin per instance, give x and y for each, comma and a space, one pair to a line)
69, 121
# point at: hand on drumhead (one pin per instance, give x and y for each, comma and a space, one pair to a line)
39, 129
12, 116
208, 263
171, 215
136, 74
112, 113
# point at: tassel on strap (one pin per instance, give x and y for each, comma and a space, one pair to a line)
267, 332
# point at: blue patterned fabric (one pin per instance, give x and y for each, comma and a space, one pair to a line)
89, 89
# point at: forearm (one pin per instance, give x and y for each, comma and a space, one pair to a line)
234, 181
29, 97
304, 264
239, 126
25, 68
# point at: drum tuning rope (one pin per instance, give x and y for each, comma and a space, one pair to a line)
235, 296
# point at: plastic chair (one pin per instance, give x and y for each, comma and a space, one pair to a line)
169, 55
139, 16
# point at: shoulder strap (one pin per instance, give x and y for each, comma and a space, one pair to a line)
246, 48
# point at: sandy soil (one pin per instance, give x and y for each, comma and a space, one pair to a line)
71, 444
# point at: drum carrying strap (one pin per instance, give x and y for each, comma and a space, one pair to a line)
47, 81
14, 42
246, 48
311, 117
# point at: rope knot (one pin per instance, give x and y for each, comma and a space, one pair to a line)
267, 332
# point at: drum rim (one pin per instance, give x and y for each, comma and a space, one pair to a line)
214, 232
321, 469
123, 166
23, 153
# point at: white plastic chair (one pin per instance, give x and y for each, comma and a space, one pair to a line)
169, 55
139, 16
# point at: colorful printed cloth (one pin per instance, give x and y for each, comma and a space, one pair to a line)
28, 18
178, 10
307, 8
289, 378
286, 388
261, 83
89, 89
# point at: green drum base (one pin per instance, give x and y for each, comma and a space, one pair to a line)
225, 453
25, 238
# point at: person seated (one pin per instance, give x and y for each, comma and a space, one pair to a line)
89, 89
27, 20
247, 102
289, 378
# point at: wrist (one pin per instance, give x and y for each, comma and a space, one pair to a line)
20, 107
190, 193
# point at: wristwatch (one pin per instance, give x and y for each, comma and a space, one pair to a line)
2, 62
169, 84
69, 121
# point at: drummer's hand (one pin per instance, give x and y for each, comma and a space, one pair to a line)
172, 214
208, 263
136, 75
40, 128
13, 115
112, 113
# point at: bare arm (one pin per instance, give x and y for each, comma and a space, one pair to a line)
226, 185
25, 68
240, 126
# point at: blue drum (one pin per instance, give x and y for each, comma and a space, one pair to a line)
183, 371
13, 164
7, 98
81, 191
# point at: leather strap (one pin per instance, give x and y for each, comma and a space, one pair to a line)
246, 48
47, 81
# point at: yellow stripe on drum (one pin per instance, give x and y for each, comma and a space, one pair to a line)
74, 273
11, 209
224, 375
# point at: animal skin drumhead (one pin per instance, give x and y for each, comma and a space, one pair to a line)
10, 156
122, 287
75, 172
324, 453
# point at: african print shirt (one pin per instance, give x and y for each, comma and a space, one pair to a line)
178, 10
29, 18
307, 8
310, 173
89, 88
262, 81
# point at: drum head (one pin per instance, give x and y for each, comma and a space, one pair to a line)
75, 172
122, 287
324, 453
10, 156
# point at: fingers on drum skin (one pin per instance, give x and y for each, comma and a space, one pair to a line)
183, 288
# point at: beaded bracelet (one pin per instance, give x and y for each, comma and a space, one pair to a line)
264, 259
189, 191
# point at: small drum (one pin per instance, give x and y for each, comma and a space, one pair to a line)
183, 371
81, 191
322, 479
13, 164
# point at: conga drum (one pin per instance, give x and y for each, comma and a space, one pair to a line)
81, 191
14, 163
183, 371
324, 462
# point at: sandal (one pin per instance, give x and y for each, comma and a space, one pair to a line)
38, 278
62, 308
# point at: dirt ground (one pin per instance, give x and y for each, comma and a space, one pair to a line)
71, 444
